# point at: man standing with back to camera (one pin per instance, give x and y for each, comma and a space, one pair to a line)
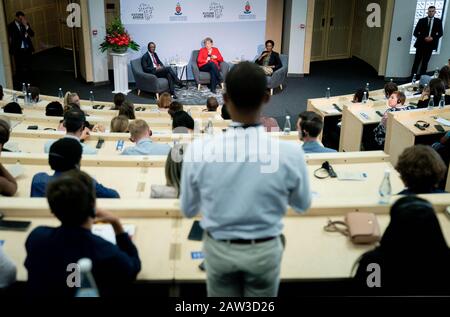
428, 31
21, 48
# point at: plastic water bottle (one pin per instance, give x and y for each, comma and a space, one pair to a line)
431, 103
28, 100
287, 126
14, 97
88, 288
385, 189
197, 125
367, 87
442, 102
365, 97
209, 127
24, 90
392, 80
413, 81
328, 93
119, 145
60, 94
91, 97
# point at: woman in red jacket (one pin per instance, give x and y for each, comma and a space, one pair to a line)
209, 59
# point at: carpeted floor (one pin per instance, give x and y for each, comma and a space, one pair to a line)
53, 69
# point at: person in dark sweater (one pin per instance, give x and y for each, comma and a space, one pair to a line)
50, 250
65, 155
421, 170
413, 256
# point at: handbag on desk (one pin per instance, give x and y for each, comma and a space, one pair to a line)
360, 227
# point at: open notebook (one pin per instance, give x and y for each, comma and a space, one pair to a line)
106, 231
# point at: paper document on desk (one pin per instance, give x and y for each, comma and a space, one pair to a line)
12, 146
16, 170
351, 176
106, 231
443, 121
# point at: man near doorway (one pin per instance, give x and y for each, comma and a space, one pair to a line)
152, 64
21, 47
428, 31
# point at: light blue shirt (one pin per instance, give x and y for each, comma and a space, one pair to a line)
87, 150
316, 147
241, 186
147, 147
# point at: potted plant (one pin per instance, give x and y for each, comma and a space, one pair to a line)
117, 39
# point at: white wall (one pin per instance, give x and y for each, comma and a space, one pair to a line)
399, 61
97, 22
296, 45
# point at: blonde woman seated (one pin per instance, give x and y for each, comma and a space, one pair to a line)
164, 102
174, 164
119, 124
71, 99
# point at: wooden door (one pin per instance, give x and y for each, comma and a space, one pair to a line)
340, 20
319, 37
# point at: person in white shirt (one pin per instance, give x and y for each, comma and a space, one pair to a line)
242, 182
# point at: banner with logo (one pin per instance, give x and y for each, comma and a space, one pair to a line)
237, 27
194, 11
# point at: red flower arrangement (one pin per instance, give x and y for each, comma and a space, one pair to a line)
117, 38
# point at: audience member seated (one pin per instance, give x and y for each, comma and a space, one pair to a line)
164, 101
119, 124
421, 170
34, 93
75, 125
1, 92
12, 107
127, 110
8, 270
50, 250
65, 155
119, 99
436, 89
413, 256
270, 124
443, 148
309, 127
224, 113
174, 164
54, 109
389, 89
71, 99
269, 60
211, 104
8, 184
444, 75
359, 95
140, 134
180, 118
396, 102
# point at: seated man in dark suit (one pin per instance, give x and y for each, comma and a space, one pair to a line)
50, 250
152, 64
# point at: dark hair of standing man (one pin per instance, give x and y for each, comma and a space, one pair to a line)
246, 87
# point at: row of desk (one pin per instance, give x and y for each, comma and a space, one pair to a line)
133, 177
166, 253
